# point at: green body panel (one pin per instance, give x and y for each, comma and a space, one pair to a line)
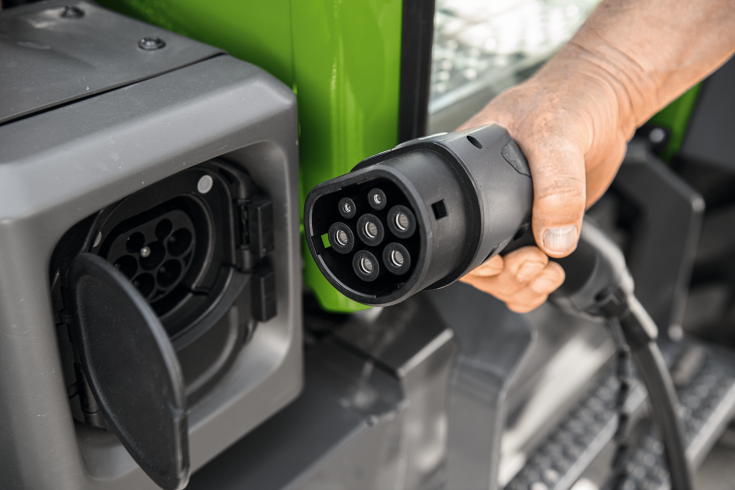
342, 59
675, 117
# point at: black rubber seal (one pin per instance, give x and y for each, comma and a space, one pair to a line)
389, 258
393, 225
359, 266
347, 203
377, 199
370, 239
335, 243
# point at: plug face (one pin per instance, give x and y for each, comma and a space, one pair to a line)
366, 234
418, 216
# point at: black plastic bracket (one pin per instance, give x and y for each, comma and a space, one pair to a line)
664, 236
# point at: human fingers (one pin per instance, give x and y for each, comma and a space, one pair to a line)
538, 289
520, 296
519, 267
491, 267
559, 184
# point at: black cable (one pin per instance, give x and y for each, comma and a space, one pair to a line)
623, 373
637, 326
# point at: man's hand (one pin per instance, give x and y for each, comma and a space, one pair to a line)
574, 117
523, 278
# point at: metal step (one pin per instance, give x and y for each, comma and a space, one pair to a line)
707, 398
706, 406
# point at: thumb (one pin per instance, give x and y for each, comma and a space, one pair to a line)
559, 188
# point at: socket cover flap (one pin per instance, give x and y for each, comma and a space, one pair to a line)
132, 369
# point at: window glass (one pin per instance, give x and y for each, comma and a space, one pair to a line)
482, 47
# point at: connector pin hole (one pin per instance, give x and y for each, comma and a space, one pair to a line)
145, 284
377, 199
371, 229
164, 228
366, 265
168, 273
179, 242
347, 208
127, 265
342, 238
154, 255
474, 142
402, 221
135, 242
396, 258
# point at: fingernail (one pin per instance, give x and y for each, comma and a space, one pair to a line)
528, 270
543, 285
561, 240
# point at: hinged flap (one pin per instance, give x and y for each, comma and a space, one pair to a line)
132, 369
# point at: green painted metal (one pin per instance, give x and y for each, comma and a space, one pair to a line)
675, 117
342, 59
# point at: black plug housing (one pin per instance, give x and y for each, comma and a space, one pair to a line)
421, 215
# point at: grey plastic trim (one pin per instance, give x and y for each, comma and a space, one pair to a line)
62, 165
48, 60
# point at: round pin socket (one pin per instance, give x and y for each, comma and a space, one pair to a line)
401, 221
341, 238
370, 230
377, 199
347, 208
396, 258
366, 266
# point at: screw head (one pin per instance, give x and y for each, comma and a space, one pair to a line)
151, 43
72, 12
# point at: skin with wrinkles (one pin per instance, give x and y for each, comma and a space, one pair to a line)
574, 118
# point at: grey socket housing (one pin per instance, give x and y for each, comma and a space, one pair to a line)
89, 120
445, 203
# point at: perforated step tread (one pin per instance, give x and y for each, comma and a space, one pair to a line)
707, 400
706, 404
